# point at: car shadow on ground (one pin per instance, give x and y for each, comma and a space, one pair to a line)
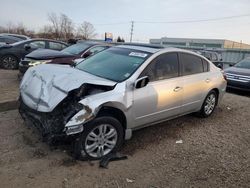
238, 92
147, 137
166, 132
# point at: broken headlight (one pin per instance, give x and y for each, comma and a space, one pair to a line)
39, 62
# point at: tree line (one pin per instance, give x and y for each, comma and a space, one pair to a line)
60, 27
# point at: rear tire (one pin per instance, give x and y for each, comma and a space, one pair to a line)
9, 62
100, 137
208, 105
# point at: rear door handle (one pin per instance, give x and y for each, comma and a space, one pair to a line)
177, 89
207, 80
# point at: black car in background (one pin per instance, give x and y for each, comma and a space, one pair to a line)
215, 57
238, 76
4, 39
82, 49
11, 54
22, 37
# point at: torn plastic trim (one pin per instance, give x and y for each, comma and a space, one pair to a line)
76, 123
93, 103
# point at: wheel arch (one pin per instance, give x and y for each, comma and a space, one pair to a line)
217, 94
113, 112
10, 54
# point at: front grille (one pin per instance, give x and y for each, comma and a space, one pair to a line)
51, 124
238, 78
48, 124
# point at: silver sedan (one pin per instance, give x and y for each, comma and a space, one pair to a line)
100, 101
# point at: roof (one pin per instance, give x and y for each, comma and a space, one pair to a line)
35, 39
93, 43
10, 37
141, 48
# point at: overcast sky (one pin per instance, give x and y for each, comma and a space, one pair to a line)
33, 14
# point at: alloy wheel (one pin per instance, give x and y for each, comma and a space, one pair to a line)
210, 104
101, 140
9, 62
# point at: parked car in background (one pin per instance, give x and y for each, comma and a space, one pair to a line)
238, 76
22, 37
8, 40
80, 50
100, 101
212, 56
11, 54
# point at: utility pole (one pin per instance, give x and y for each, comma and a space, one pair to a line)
131, 31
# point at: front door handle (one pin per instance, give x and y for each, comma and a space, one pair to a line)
177, 89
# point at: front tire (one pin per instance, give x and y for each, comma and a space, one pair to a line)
100, 137
209, 104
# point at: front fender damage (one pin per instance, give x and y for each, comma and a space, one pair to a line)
92, 105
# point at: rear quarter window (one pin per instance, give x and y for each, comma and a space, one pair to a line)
190, 64
205, 65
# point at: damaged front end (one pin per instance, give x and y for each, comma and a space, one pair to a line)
50, 124
50, 100
67, 117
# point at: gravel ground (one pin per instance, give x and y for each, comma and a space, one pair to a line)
9, 85
214, 153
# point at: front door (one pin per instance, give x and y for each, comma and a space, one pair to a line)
162, 97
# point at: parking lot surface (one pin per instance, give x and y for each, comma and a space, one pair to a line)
211, 152
9, 85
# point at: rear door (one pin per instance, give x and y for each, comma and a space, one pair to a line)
34, 45
162, 97
196, 81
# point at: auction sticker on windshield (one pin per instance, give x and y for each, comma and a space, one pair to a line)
138, 54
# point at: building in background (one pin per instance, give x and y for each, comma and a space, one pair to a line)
231, 51
200, 43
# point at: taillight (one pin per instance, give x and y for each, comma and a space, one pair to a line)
224, 74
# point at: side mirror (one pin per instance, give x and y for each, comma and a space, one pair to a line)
87, 54
141, 82
27, 47
231, 65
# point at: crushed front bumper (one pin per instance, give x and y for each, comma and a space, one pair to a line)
51, 125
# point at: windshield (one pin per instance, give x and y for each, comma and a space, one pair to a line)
245, 64
76, 48
115, 63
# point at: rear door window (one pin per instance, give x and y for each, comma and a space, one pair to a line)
205, 65
190, 64
37, 44
56, 46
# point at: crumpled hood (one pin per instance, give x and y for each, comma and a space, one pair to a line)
42, 54
43, 87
